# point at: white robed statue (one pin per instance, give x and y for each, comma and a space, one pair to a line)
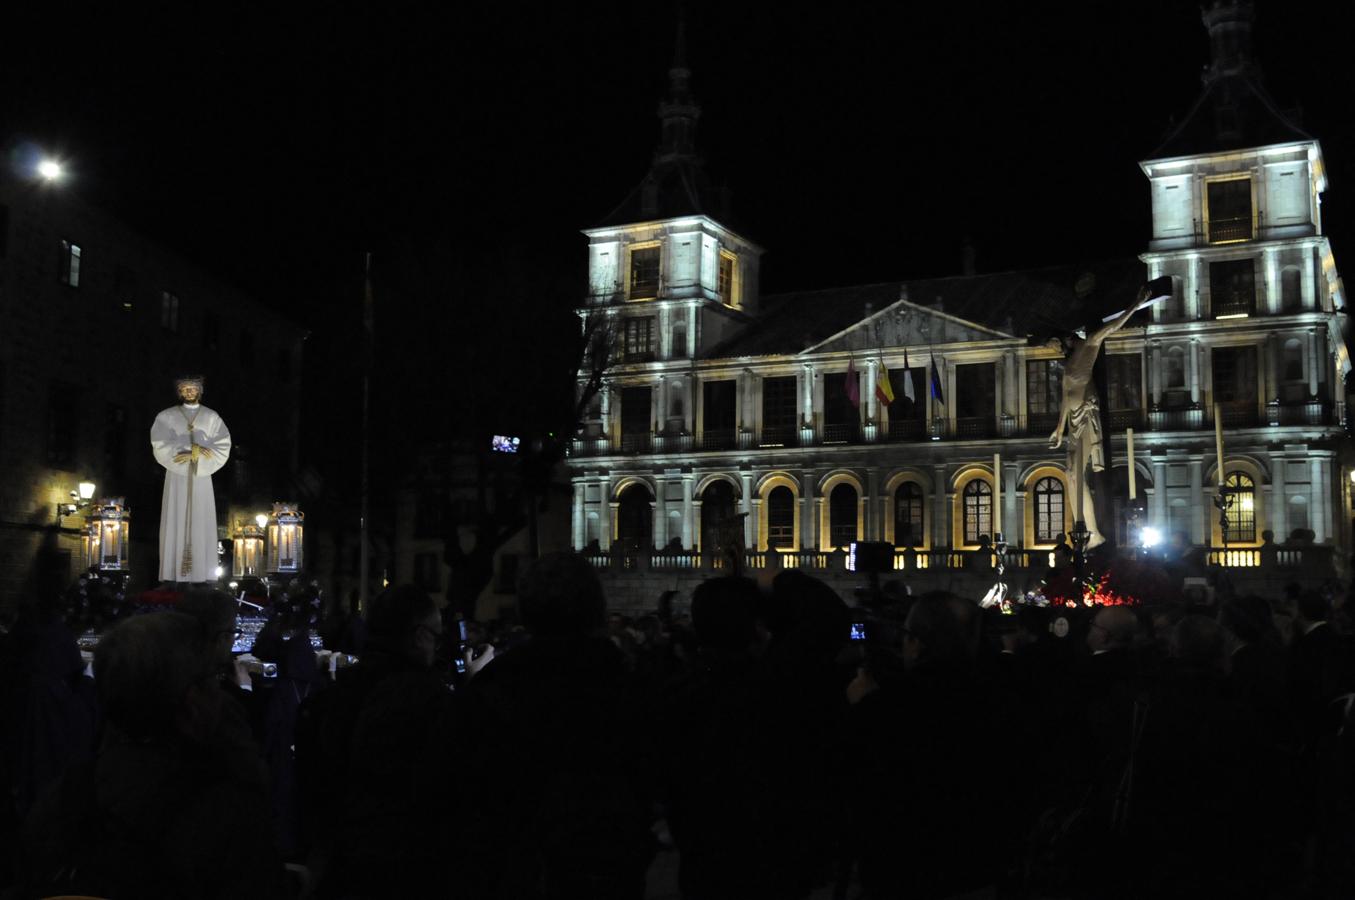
191, 442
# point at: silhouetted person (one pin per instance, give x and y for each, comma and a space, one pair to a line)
550, 794
367, 760
175, 805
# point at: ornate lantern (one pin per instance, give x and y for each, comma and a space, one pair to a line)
247, 556
105, 537
284, 539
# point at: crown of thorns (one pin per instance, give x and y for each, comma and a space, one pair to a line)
196, 381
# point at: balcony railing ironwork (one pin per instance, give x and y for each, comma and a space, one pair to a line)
1120, 419
975, 427
1236, 228
637, 443
780, 437
907, 429
718, 439
849, 433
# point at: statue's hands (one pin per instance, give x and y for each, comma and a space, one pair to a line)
1056, 439
193, 454
184, 456
201, 452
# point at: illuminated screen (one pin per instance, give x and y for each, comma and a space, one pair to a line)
504, 444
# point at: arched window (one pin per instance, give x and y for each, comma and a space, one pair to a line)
842, 516
978, 510
635, 518
909, 507
717, 511
1298, 513
1176, 369
781, 518
1291, 291
1048, 509
1242, 512
1293, 360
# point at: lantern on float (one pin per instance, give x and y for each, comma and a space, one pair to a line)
247, 555
285, 527
105, 537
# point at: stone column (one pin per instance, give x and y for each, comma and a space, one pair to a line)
687, 523
660, 506
818, 538
1279, 496
1308, 280
1274, 361
871, 374
746, 506
1312, 363
697, 533
808, 533
1317, 499
660, 405
941, 514
1272, 269
1159, 516
689, 405
606, 513
605, 405
1157, 376
665, 333
1191, 306
1201, 505
1194, 362
1013, 521
691, 331
871, 527
807, 396
576, 525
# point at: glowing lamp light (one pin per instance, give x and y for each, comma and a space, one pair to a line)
285, 532
261, 520
86, 490
1248, 503
49, 169
220, 571
105, 538
247, 543
1352, 476
1150, 537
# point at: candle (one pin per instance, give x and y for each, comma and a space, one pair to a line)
1133, 481
997, 494
1218, 442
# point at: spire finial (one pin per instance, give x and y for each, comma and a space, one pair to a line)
678, 113
1229, 23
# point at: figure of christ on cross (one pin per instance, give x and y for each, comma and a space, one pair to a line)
1080, 412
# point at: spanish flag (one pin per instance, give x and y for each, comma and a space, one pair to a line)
883, 389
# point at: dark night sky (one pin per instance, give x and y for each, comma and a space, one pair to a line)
275, 146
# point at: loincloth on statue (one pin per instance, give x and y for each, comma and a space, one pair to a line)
1084, 427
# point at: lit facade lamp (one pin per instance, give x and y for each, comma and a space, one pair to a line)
106, 535
81, 498
247, 559
285, 532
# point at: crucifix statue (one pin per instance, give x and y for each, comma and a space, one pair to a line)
1080, 412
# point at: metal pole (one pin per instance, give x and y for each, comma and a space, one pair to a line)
364, 556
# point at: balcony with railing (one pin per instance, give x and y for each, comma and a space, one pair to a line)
908, 430
842, 433
779, 437
1230, 229
719, 439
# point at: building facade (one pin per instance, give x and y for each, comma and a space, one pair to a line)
919, 413
96, 321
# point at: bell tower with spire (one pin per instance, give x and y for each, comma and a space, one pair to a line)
666, 264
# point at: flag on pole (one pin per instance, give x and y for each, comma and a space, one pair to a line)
936, 384
853, 384
908, 380
884, 391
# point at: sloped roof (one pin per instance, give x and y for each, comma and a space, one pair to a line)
673, 188
1021, 303
1232, 112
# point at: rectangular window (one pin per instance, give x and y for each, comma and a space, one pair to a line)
1124, 380
975, 390
1229, 210
837, 402
725, 280
644, 273
211, 330
1235, 379
778, 410
637, 340
169, 312
1044, 386
1232, 288
636, 403
902, 408
70, 264
63, 420
718, 408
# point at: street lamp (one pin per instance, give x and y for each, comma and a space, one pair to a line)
106, 534
80, 499
247, 558
285, 527
50, 169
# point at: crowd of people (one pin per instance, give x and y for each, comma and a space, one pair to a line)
779, 742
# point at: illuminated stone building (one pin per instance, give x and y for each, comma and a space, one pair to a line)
96, 320
722, 401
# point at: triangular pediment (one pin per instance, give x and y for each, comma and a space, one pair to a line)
907, 324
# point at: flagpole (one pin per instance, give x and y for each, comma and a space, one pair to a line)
364, 556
